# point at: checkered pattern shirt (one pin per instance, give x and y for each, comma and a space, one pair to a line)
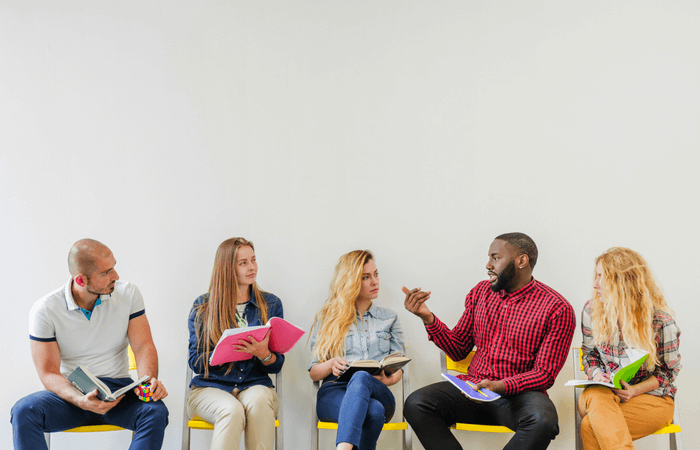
667, 337
522, 338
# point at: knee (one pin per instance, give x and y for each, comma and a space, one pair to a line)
25, 411
413, 405
156, 413
231, 412
262, 404
361, 378
543, 422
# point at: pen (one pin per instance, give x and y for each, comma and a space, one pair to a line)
473, 386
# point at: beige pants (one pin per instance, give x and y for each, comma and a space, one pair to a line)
253, 410
610, 424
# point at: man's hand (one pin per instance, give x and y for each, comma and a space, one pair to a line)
499, 387
90, 402
415, 303
158, 391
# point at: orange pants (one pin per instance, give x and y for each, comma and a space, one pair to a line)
611, 425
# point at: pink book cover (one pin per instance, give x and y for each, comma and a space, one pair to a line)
283, 336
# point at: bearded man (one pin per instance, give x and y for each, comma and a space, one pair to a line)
520, 330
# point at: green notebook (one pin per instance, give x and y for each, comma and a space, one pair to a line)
626, 373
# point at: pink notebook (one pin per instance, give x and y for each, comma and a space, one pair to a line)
283, 336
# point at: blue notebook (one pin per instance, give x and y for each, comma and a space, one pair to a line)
482, 395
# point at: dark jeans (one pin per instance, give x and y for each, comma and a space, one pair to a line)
433, 409
46, 412
360, 406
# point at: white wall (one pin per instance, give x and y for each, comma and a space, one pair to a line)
419, 130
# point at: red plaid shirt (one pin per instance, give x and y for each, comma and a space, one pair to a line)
522, 338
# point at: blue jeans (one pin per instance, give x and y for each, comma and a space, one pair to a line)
360, 406
45, 411
433, 409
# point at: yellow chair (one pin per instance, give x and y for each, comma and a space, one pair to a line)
406, 440
97, 428
199, 424
673, 429
461, 367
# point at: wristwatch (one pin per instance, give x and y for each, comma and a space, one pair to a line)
269, 357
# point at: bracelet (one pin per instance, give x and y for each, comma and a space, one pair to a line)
269, 357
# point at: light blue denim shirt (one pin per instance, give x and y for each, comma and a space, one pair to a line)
375, 335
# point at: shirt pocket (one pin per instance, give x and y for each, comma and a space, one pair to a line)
349, 342
384, 339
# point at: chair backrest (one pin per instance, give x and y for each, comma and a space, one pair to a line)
132, 360
462, 366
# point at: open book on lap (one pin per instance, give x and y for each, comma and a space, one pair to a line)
625, 373
389, 365
283, 336
469, 389
86, 382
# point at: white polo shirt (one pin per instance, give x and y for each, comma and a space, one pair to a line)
101, 342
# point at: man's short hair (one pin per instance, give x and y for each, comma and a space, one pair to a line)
82, 258
522, 242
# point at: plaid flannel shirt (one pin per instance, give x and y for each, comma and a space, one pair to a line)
522, 338
666, 335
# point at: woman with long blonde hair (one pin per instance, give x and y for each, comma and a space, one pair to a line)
351, 327
237, 396
628, 311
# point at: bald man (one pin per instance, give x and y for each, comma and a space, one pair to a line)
90, 321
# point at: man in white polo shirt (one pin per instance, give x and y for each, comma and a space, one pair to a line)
90, 322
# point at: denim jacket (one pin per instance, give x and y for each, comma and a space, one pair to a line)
375, 335
244, 374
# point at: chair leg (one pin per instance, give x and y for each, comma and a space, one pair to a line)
185, 436
279, 440
675, 441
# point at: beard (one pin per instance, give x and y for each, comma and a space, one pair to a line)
105, 291
504, 279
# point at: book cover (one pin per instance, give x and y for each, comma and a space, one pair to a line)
283, 336
469, 389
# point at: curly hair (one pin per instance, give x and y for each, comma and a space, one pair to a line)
630, 297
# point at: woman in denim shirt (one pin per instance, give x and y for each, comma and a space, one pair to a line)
350, 327
234, 396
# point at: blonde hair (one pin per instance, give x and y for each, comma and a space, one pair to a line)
219, 313
631, 296
339, 311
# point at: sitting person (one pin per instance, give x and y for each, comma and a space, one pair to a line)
235, 396
90, 322
522, 329
628, 311
351, 327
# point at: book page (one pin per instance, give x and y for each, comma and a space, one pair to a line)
126, 389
